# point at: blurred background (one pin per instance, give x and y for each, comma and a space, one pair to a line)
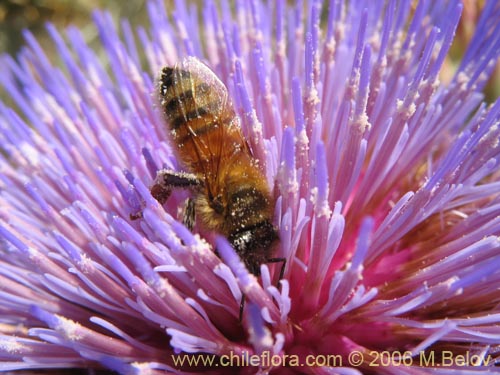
16, 15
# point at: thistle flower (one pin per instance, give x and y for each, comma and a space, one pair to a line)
386, 184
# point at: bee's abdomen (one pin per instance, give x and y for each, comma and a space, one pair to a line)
200, 118
249, 205
185, 98
249, 218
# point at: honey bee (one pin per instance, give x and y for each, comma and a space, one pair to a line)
231, 195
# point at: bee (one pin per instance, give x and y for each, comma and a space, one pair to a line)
231, 195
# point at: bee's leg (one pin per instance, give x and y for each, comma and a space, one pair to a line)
282, 270
166, 180
242, 305
136, 216
189, 214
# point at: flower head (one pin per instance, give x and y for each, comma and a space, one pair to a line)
385, 180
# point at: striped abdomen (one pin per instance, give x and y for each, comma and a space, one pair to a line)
202, 122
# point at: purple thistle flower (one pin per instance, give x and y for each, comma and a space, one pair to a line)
386, 183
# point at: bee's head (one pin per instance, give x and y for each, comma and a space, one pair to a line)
254, 245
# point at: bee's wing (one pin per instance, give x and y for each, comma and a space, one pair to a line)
218, 139
220, 148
